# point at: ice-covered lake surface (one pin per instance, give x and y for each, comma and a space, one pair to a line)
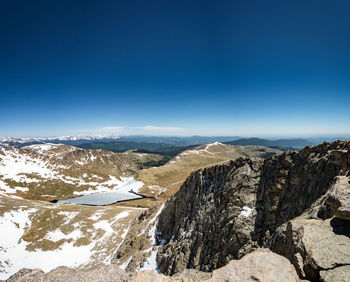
125, 190
102, 199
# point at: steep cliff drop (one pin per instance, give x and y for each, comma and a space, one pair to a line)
297, 204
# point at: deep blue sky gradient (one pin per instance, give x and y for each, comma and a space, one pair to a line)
206, 67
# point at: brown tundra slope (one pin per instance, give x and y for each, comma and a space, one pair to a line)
297, 204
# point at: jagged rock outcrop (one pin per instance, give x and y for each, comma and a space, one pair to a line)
316, 246
301, 202
336, 202
292, 182
207, 223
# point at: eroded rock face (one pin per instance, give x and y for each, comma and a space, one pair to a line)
292, 182
318, 241
210, 219
302, 203
336, 202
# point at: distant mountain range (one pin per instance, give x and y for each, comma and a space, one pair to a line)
173, 145
136, 142
161, 144
178, 141
280, 143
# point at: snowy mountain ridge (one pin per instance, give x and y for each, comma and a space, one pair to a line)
71, 140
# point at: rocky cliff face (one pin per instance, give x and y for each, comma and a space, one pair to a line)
292, 182
208, 223
294, 203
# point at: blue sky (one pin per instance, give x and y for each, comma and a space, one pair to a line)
249, 68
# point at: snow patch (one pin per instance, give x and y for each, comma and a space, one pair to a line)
125, 264
121, 215
58, 235
14, 254
151, 262
13, 251
42, 148
196, 151
246, 211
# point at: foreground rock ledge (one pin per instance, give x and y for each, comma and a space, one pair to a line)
260, 265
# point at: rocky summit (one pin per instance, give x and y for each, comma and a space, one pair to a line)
295, 203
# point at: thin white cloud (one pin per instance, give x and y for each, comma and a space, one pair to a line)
105, 129
111, 128
148, 129
161, 128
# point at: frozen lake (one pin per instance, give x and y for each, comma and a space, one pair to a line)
102, 199
124, 190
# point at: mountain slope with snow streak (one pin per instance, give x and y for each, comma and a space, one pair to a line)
39, 234
56, 171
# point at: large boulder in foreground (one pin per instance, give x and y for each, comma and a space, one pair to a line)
261, 265
339, 274
314, 245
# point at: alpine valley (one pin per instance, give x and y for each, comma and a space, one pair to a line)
174, 209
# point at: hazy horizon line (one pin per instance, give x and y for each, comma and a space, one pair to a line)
246, 136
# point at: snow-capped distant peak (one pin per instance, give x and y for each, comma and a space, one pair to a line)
43, 147
85, 137
22, 141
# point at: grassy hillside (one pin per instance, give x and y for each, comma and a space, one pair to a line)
163, 181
